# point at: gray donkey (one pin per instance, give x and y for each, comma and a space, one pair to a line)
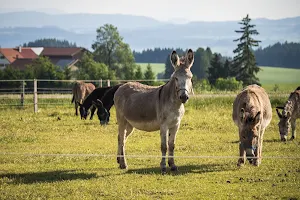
290, 112
252, 113
151, 108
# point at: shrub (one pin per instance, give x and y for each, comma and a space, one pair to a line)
230, 84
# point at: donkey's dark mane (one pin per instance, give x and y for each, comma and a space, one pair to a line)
98, 93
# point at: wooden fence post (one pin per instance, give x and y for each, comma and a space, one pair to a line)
108, 83
101, 84
22, 93
35, 99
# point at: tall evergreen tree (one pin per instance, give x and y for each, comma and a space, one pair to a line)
244, 66
149, 75
138, 73
216, 69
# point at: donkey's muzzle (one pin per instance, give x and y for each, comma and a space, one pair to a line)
283, 138
250, 154
184, 98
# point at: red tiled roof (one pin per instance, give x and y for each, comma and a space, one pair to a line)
11, 54
22, 63
28, 53
53, 51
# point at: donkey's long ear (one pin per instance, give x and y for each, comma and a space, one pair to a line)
278, 113
98, 103
189, 58
242, 114
174, 58
257, 117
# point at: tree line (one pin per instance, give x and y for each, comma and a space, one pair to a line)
113, 59
286, 55
50, 42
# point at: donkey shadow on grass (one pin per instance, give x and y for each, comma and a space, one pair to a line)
186, 169
46, 177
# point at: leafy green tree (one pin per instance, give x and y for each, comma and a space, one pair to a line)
110, 49
10, 73
244, 66
43, 68
88, 69
138, 73
149, 75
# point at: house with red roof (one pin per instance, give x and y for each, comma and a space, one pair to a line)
20, 57
10, 55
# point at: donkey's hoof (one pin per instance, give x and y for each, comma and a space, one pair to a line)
256, 163
174, 168
293, 137
163, 170
240, 163
123, 166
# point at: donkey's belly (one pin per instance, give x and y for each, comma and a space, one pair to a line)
146, 126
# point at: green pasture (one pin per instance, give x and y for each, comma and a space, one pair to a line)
286, 79
54, 155
156, 67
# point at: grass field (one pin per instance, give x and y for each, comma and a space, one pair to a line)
206, 130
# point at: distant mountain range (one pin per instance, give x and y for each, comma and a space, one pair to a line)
139, 32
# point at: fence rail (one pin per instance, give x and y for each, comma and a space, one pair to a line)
27, 92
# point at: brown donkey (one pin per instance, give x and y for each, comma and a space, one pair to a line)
290, 112
80, 91
252, 113
151, 108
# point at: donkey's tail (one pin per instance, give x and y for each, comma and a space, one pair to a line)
73, 98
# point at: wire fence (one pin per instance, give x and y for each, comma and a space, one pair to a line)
146, 156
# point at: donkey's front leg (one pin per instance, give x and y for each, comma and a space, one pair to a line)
258, 152
293, 125
172, 139
93, 108
163, 137
241, 160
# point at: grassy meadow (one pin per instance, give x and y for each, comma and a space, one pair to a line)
32, 164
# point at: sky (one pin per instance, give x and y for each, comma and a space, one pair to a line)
165, 10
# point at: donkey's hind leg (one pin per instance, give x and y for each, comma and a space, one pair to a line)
76, 108
172, 139
124, 131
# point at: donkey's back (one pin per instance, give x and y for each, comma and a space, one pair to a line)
137, 103
253, 99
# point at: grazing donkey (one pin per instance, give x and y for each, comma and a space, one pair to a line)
87, 104
80, 91
252, 113
104, 105
290, 112
150, 108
